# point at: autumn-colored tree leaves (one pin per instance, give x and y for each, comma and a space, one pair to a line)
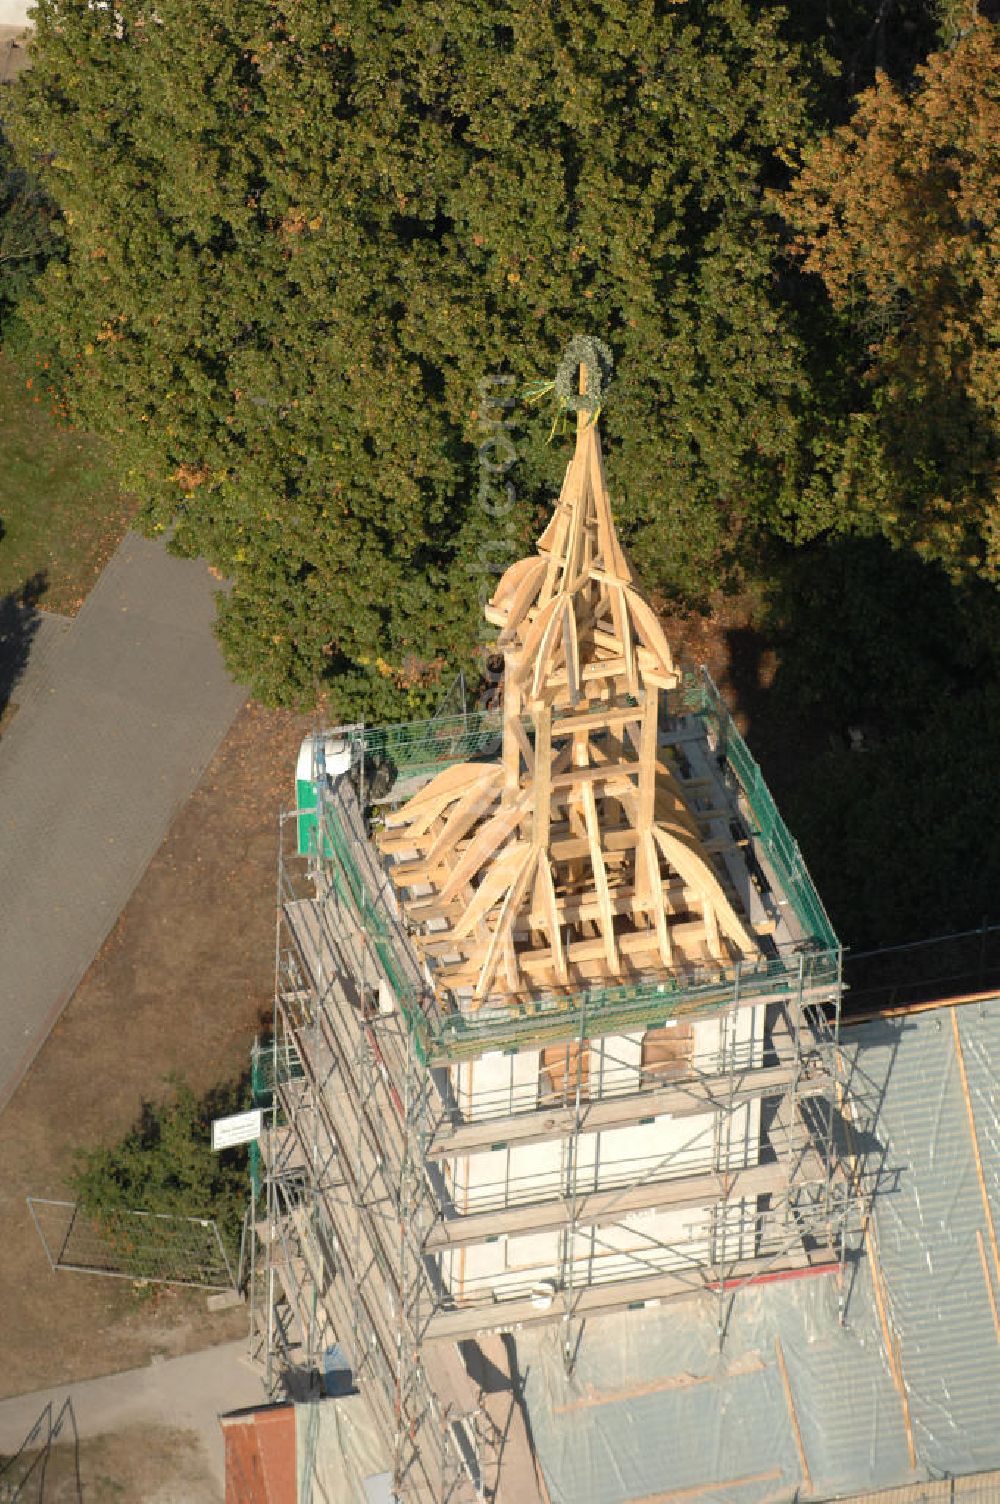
899, 213
299, 239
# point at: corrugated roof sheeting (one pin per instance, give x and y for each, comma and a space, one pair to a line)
654, 1409
849, 1412
928, 1222
984, 1488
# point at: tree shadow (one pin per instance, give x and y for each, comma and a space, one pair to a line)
877, 729
19, 621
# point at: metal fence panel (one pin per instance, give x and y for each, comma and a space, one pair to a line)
149, 1246
29, 1477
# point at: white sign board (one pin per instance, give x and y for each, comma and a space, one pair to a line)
241, 1128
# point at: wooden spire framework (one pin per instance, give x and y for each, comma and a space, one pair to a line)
574, 861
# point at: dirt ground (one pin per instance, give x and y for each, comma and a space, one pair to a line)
154, 1464
182, 985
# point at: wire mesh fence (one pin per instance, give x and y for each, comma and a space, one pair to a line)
32, 1473
148, 1246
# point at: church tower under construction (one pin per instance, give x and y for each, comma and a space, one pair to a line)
556, 1023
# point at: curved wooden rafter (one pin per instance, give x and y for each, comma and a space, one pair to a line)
575, 859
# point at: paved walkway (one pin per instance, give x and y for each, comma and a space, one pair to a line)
188, 1394
13, 50
118, 716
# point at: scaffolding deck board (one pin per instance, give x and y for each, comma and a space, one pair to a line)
678, 1099
595, 1208
604, 1299
598, 880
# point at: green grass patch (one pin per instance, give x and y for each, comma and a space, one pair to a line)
61, 512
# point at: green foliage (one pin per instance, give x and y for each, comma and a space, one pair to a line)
166, 1163
30, 233
299, 237
861, 38
902, 831
903, 839
897, 213
869, 635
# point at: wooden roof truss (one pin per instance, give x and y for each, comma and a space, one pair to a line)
575, 859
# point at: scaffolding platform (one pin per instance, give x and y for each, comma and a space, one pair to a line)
566, 1008
374, 1114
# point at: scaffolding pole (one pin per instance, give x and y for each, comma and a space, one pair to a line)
363, 1218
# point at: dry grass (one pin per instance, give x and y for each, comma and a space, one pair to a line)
61, 512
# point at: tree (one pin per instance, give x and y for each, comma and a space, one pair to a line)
299, 237
166, 1163
898, 214
29, 231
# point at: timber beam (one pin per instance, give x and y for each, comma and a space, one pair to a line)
619, 1295
594, 1208
676, 1099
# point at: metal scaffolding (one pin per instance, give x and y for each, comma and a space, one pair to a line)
355, 1222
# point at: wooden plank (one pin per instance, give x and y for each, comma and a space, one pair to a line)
650, 632
595, 720
888, 1337
628, 900
699, 1490
572, 553
712, 930
444, 787
595, 1208
489, 838
519, 662
623, 623
674, 1099
527, 588
571, 848
647, 758
494, 949
515, 728
552, 918
610, 549
510, 752
542, 782
471, 807
640, 943
598, 773
989, 1282
493, 890
658, 891
600, 878
617, 1295
793, 1417
593, 1398
688, 863
974, 1138
571, 650
546, 646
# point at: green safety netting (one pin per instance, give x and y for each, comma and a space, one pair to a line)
440, 1037
422, 746
781, 848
